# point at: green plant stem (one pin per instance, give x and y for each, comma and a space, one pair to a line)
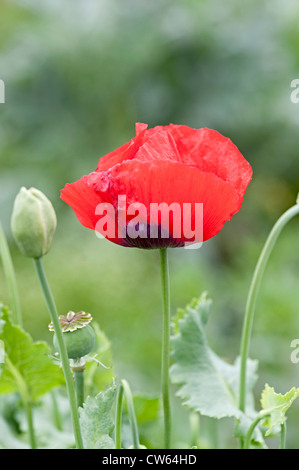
283, 432
56, 412
165, 347
10, 278
124, 389
31, 430
62, 349
79, 386
252, 428
26, 398
252, 296
195, 428
118, 415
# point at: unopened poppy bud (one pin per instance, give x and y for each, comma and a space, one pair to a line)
33, 222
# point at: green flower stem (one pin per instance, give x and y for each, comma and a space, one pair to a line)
124, 389
17, 319
79, 385
195, 428
283, 432
31, 430
252, 427
252, 296
165, 347
118, 415
56, 412
11, 279
62, 349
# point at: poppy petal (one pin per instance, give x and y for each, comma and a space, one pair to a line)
210, 151
172, 164
159, 145
169, 182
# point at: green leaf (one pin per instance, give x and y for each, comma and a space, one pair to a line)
96, 421
276, 405
146, 408
207, 383
27, 366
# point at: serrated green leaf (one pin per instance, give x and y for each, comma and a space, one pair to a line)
96, 421
276, 405
193, 305
208, 384
27, 366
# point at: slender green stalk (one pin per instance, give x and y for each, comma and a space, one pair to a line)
17, 319
79, 386
10, 278
62, 349
253, 425
195, 428
118, 415
212, 428
31, 430
283, 432
56, 411
124, 390
252, 296
165, 347
262, 415
26, 398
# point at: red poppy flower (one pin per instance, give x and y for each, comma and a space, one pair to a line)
176, 166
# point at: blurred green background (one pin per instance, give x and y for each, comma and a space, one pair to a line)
78, 75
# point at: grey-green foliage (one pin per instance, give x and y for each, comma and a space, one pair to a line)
96, 420
207, 383
276, 405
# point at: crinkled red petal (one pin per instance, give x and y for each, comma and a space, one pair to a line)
154, 182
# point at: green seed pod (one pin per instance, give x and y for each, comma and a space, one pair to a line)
33, 222
78, 343
78, 335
